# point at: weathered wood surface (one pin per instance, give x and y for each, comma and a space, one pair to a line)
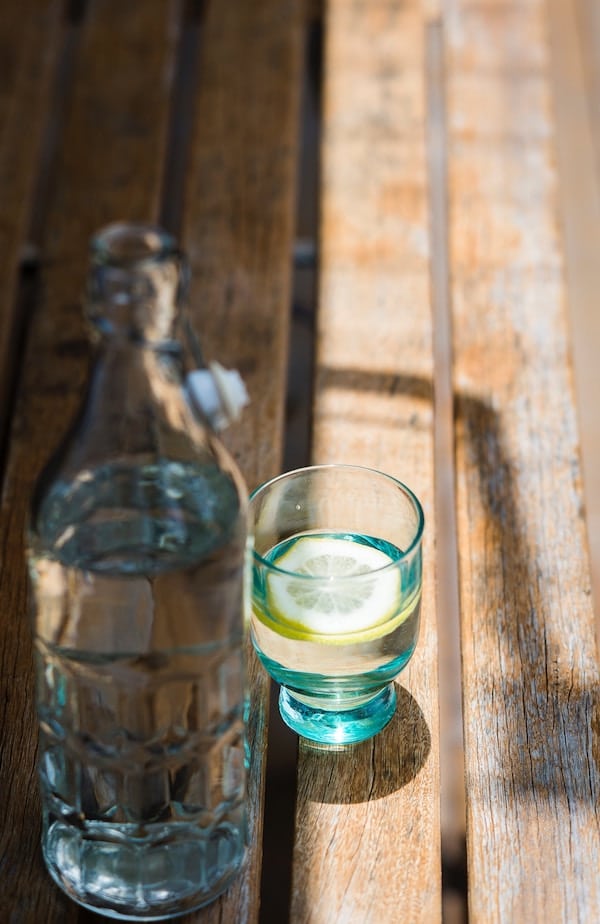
87, 112
530, 668
367, 818
238, 232
30, 35
109, 164
239, 208
574, 35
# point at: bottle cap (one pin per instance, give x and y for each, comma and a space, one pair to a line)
219, 393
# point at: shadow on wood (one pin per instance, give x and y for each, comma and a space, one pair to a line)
347, 774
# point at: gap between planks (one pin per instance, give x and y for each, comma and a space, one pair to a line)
452, 783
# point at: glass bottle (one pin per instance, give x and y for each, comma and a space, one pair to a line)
136, 552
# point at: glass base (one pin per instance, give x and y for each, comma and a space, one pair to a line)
146, 881
338, 726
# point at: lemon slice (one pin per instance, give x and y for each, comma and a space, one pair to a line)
328, 604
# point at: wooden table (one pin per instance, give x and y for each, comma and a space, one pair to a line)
458, 235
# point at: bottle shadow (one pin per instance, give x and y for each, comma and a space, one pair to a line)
373, 769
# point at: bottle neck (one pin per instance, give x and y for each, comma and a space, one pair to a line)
136, 285
136, 404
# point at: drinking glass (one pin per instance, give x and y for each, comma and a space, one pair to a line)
336, 594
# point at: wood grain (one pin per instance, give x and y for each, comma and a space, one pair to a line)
237, 230
238, 227
530, 670
239, 209
30, 39
109, 166
367, 822
575, 71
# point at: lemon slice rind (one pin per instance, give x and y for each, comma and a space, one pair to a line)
289, 630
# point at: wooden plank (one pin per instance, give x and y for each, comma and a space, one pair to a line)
30, 40
237, 229
530, 666
238, 221
109, 166
368, 826
575, 35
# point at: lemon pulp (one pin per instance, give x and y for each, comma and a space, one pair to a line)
333, 589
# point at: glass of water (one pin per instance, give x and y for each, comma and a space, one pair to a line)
336, 595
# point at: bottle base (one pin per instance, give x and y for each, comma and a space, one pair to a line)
338, 726
147, 880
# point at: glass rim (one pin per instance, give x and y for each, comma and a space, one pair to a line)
154, 244
364, 469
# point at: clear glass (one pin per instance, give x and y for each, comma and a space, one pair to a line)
336, 594
136, 549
